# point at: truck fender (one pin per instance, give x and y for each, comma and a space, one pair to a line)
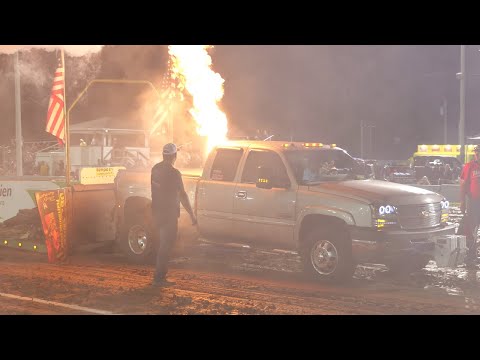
344, 216
135, 206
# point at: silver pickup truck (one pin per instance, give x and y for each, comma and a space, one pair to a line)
308, 197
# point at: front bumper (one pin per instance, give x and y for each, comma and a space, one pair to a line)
370, 245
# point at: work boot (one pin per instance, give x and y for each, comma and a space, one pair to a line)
163, 283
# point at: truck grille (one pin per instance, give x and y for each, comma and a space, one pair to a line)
419, 216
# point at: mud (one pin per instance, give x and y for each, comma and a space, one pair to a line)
225, 280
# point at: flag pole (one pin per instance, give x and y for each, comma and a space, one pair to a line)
67, 125
18, 120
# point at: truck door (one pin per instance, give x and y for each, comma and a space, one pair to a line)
215, 194
265, 215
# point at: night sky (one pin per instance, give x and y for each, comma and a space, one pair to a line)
310, 93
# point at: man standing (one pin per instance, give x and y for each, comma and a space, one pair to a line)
167, 193
470, 202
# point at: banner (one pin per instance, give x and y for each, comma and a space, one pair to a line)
53, 207
99, 175
16, 195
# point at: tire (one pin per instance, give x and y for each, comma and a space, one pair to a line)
137, 241
327, 255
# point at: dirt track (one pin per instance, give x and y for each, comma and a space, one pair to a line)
212, 280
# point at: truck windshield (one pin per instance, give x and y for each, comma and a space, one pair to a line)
318, 165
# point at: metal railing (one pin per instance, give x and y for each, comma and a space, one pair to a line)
126, 157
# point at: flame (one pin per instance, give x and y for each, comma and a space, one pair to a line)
191, 68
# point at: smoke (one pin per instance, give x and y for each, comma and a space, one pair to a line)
36, 66
80, 71
33, 69
36, 69
321, 93
130, 105
72, 50
164, 114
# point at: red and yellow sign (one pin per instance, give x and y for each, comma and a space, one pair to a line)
54, 208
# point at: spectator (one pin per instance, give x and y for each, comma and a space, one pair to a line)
44, 169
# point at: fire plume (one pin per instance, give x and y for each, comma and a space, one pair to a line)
191, 69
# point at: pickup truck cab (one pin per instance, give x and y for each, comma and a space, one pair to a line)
308, 197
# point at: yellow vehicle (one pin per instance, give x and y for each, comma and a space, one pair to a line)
444, 151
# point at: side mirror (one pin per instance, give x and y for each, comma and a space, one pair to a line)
264, 178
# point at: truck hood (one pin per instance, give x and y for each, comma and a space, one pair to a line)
378, 191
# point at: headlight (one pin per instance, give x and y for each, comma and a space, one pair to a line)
384, 216
445, 204
386, 210
445, 210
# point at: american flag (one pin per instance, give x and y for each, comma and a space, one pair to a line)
56, 107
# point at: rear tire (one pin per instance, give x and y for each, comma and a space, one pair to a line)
137, 240
327, 255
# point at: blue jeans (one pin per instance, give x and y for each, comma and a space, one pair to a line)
167, 234
473, 220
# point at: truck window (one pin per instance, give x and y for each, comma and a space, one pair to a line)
225, 164
310, 166
269, 159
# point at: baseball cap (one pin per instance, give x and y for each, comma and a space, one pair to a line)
169, 149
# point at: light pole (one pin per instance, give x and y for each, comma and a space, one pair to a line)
361, 139
461, 127
443, 112
18, 120
443, 107
370, 126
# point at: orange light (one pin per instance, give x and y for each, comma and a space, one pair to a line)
34, 247
423, 148
20, 244
435, 148
448, 148
5, 242
333, 145
313, 144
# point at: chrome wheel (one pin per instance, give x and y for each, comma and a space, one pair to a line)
137, 239
324, 257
